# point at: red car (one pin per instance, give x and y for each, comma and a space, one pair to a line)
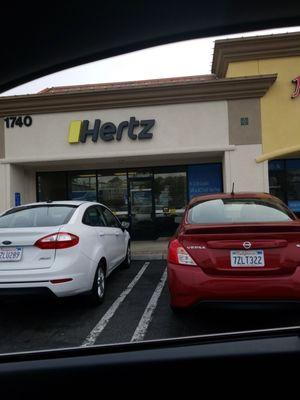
235, 247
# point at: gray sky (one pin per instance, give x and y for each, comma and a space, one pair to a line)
192, 57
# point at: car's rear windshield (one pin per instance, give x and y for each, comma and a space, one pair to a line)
225, 211
37, 216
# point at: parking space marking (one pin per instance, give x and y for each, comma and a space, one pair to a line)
144, 323
92, 337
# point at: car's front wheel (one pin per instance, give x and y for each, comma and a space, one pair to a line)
99, 286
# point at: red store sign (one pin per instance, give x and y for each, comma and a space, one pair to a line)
296, 93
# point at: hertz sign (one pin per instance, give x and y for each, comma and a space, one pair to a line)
80, 131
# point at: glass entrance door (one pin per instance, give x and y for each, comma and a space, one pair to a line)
141, 208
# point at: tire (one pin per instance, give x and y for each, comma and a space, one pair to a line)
177, 310
126, 263
99, 286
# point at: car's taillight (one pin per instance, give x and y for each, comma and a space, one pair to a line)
178, 255
59, 240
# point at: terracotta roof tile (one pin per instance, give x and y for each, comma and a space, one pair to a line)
128, 84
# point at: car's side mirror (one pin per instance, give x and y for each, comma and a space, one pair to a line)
125, 225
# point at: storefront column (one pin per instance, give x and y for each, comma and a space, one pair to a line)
227, 180
14, 180
265, 167
4, 192
241, 168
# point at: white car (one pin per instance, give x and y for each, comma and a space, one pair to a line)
65, 247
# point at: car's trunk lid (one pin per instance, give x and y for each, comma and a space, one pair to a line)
22, 240
216, 249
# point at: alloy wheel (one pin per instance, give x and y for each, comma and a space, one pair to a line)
100, 283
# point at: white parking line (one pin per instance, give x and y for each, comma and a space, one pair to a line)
92, 337
143, 325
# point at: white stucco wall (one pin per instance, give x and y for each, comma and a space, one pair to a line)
183, 127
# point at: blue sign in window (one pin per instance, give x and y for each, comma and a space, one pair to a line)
294, 205
292, 164
17, 199
204, 179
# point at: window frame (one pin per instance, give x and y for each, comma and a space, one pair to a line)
114, 216
85, 213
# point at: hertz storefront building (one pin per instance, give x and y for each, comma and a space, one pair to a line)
145, 148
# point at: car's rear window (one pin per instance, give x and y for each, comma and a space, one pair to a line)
224, 211
37, 216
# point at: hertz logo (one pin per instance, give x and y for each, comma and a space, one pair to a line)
79, 131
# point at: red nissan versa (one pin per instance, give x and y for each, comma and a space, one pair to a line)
235, 247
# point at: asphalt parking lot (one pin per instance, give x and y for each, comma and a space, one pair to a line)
136, 308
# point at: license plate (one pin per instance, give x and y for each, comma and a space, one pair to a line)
10, 254
247, 258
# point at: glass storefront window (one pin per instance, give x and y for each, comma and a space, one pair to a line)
170, 193
141, 208
112, 191
277, 180
284, 182
52, 186
82, 186
140, 173
152, 200
293, 184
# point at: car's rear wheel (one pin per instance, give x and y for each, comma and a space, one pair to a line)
177, 310
99, 286
126, 263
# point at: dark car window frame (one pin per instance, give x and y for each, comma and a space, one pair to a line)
114, 217
99, 217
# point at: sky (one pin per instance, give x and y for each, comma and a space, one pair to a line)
191, 57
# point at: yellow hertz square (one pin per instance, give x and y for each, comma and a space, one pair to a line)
74, 131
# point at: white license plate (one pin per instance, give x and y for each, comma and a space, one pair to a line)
10, 254
247, 258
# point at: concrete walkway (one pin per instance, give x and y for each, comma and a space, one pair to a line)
150, 249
